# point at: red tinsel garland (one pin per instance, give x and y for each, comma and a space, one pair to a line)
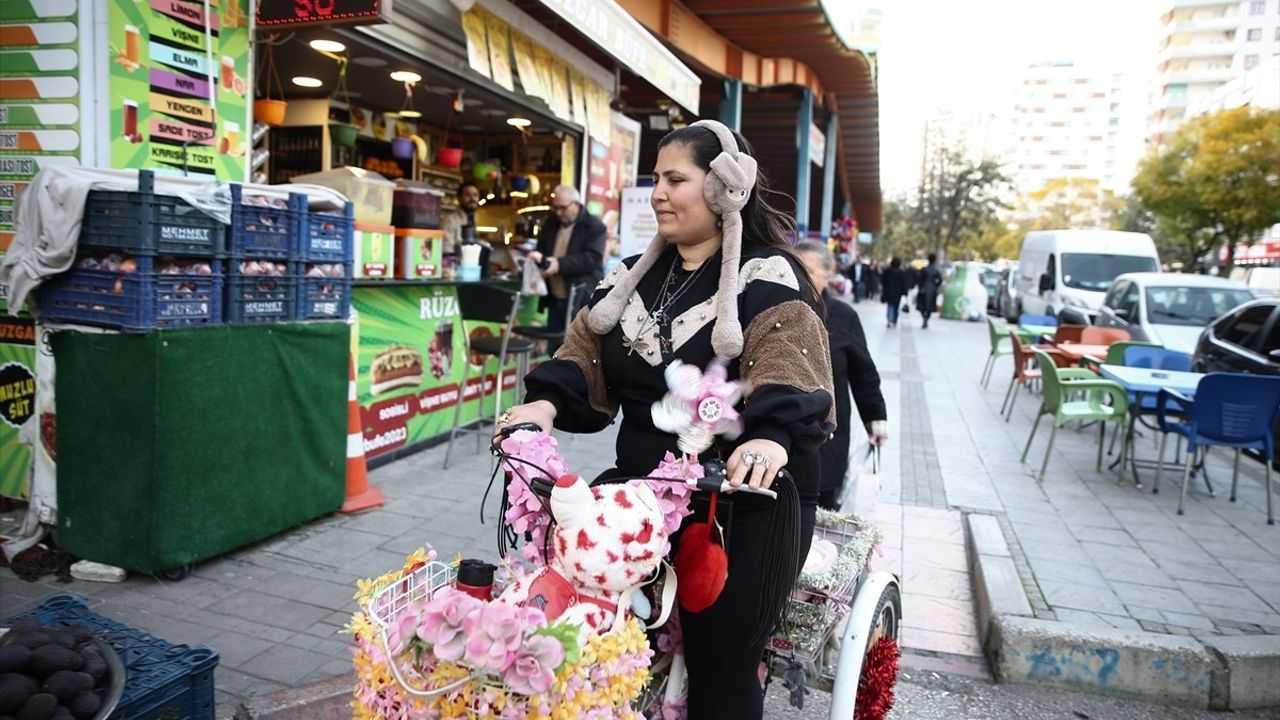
875, 687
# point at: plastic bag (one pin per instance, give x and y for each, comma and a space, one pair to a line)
862, 495
532, 282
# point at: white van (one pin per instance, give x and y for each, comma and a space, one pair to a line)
1066, 273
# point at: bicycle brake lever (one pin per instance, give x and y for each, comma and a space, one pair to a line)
495, 445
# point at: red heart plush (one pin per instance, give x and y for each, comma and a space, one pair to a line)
702, 565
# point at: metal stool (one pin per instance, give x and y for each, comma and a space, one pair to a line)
486, 303
541, 332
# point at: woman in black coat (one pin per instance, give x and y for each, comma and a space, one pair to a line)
851, 366
930, 282
893, 286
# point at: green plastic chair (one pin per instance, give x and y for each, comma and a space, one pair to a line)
999, 348
1115, 353
1058, 383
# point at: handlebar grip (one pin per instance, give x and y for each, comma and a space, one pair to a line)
506, 432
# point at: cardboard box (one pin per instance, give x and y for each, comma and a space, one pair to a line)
375, 252
418, 253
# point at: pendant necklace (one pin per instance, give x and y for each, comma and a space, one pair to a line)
667, 299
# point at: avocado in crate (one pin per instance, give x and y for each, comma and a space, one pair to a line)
260, 291
137, 293
264, 226
327, 236
148, 223
324, 292
162, 680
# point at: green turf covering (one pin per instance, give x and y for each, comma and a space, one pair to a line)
180, 445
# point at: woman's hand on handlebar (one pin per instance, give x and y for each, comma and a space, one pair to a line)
758, 474
539, 412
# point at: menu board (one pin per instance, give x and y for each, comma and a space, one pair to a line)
178, 84
39, 95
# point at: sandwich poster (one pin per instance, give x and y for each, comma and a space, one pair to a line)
410, 360
179, 86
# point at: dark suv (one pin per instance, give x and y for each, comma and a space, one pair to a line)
1246, 339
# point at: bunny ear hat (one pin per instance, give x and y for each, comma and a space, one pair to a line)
727, 189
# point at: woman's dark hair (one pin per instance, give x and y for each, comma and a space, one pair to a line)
762, 223
895, 263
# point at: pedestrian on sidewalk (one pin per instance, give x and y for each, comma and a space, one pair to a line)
893, 286
718, 280
851, 367
930, 281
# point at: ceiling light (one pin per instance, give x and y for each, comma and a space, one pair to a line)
518, 194
533, 208
306, 82
486, 228
391, 115
406, 76
332, 46
519, 122
410, 114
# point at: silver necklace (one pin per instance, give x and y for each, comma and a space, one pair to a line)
659, 314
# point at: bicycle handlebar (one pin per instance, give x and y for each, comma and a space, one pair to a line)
713, 476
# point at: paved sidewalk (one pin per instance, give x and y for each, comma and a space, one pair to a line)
1086, 552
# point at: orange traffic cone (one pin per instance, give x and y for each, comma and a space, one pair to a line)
360, 494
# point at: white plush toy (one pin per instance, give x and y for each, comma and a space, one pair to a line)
607, 540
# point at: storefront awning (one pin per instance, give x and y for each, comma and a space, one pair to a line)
786, 42
616, 32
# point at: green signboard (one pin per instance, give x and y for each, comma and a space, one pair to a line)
410, 360
17, 401
179, 81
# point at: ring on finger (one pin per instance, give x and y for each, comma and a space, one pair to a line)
504, 418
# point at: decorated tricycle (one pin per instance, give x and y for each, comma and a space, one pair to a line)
579, 623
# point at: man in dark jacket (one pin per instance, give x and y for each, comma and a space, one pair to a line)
893, 286
570, 253
852, 367
930, 281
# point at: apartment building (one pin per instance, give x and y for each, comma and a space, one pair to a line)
1073, 121
1204, 46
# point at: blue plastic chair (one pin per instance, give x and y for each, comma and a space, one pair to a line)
1029, 319
1157, 358
1234, 410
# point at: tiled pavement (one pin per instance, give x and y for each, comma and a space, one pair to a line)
1089, 552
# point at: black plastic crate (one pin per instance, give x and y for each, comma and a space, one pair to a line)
163, 680
261, 231
324, 297
327, 237
141, 300
259, 298
144, 223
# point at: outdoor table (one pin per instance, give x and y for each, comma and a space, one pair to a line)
1037, 331
1145, 381
1077, 351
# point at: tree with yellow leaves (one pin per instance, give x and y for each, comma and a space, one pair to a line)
1217, 180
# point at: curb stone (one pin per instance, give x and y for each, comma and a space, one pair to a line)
1227, 673
324, 700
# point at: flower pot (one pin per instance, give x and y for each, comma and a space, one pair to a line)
343, 134
402, 148
450, 157
520, 183
484, 171
270, 112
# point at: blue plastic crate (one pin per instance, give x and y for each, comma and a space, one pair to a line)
259, 231
138, 301
327, 237
259, 298
144, 223
163, 680
323, 298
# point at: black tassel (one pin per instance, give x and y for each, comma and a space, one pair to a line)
782, 561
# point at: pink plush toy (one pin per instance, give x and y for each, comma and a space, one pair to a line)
608, 539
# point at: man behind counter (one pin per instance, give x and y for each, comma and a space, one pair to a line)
570, 252
460, 226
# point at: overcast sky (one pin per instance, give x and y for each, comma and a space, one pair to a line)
965, 56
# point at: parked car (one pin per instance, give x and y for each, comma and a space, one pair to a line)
1066, 272
1263, 280
1171, 309
1247, 339
990, 277
1007, 293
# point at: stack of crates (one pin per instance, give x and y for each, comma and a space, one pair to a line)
163, 680
324, 264
146, 261
262, 285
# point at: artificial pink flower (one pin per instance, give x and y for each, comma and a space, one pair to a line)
533, 670
494, 633
401, 630
444, 620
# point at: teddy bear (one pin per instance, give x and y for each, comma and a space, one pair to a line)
607, 540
